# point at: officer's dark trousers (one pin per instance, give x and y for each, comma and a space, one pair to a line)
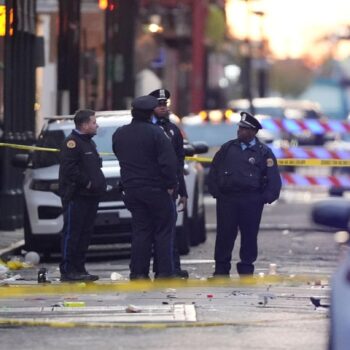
176, 254
152, 212
79, 216
241, 212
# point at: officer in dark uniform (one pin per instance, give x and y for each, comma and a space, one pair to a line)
81, 184
243, 177
148, 179
161, 118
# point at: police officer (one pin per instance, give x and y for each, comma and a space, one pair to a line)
161, 118
148, 179
81, 184
243, 177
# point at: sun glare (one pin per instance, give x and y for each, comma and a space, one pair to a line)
294, 28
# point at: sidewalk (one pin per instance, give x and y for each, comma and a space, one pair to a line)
10, 240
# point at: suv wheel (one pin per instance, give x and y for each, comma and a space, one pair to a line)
197, 222
37, 244
182, 236
28, 236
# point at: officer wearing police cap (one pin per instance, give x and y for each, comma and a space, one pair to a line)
81, 185
161, 118
243, 177
148, 180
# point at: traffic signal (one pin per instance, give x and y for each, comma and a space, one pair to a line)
103, 4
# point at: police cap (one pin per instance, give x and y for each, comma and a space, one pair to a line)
160, 94
144, 103
249, 122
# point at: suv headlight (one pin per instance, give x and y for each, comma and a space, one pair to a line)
44, 185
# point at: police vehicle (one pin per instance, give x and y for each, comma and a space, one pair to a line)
279, 109
43, 219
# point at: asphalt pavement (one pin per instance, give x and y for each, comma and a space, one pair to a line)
295, 263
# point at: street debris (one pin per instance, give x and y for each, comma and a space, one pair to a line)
170, 290
272, 269
172, 293
317, 302
42, 276
171, 296
5, 281
265, 297
132, 309
15, 263
74, 303
3, 270
210, 296
341, 237
32, 258
115, 276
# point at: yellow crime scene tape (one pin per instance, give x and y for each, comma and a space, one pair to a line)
293, 162
282, 161
21, 290
314, 162
28, 148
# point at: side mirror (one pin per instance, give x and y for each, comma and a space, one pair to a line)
200, 147
20, 160
189, 150
330, 137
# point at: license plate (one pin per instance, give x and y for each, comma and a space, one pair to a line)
106, 219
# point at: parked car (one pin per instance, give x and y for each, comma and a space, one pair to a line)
333, 212
279, 108
43, 219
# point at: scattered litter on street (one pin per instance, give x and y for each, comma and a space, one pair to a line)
115, 276
74, 303
317, 302
132, 309
32, 258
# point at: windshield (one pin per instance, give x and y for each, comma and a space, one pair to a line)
212, 134
55, 138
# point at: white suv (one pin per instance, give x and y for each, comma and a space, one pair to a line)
43, 219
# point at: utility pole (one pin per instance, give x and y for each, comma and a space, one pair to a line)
121, 16
262, 65
247, 63
68, 57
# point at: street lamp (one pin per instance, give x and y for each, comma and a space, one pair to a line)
246, 51
261, 63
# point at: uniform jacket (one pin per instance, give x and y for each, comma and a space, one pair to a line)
177, 141
145, 155
80, 164
253, 170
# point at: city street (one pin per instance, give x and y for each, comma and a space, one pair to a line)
111, 108
268, 315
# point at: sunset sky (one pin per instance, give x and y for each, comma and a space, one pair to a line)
292, 26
